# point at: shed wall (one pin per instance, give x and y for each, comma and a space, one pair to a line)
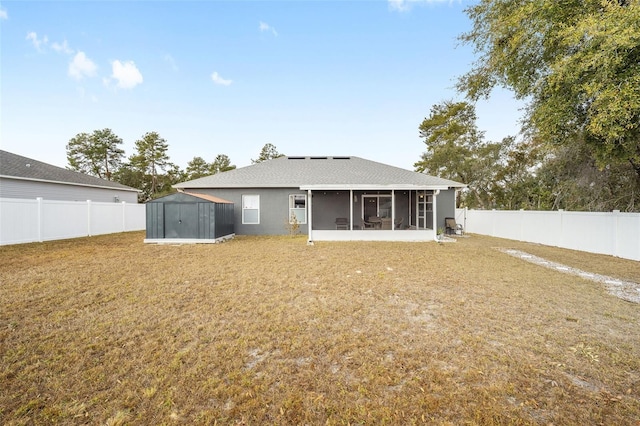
189, 220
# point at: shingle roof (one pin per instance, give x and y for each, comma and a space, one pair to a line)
319, 173
19, 167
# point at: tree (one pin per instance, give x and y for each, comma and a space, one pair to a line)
222, 163
575, 62
95, 154
151, 157
268, 152
456, 150
197, 168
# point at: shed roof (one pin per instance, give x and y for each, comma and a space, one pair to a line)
185, 197
15, 166
320, 173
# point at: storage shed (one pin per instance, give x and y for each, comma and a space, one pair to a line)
189, 218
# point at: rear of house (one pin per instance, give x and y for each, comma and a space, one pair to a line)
333, 198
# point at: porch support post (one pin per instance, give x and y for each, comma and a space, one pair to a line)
435, 213
309, 220
351, 209
393, 209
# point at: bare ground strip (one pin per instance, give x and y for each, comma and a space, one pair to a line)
625, 290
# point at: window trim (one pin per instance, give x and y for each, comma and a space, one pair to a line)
244, 222
292, 207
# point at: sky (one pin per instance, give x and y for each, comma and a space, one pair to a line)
226, 77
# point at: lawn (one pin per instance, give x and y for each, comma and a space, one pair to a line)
269, 330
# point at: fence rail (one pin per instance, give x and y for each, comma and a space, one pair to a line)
37, 220
614, 233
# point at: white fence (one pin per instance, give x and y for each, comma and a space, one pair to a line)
26, 221
615, 233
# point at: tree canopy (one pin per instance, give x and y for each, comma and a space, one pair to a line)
455, 150
97, 154
150, 158
268, 152
576, 63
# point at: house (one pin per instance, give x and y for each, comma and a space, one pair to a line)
189, 218
333, 198
26, 178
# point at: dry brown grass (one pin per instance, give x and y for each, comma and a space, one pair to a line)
106, 330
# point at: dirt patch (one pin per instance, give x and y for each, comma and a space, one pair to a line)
625, 290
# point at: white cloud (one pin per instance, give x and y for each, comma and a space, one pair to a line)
219, 80
62, 47
37, 42
3, 14
263, 26
81, 66
126, 73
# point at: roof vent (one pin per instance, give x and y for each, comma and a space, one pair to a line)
295, 158
341, 158
318, 158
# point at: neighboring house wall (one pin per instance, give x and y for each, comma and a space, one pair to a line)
445, 206
30, 189
274, 209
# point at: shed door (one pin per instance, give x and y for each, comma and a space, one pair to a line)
181, 220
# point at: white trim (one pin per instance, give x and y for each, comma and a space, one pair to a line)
243, 209
294, 208
374, 187
408, 235
310, 221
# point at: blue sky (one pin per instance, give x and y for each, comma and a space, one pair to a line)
223, 77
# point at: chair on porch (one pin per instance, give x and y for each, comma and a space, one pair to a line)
342, 223
398, 223
451, 227
367, 225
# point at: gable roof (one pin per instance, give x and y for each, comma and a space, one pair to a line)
13, 166
321, 173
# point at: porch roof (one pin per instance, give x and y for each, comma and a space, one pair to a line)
321, 173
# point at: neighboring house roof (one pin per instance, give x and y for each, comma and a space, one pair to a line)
13, 166
321, 173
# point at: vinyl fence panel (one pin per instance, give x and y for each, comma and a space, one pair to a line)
615, 233
25, 221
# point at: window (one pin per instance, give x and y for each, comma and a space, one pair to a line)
250, 209
298, 208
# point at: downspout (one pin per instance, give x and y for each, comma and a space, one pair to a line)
310, 221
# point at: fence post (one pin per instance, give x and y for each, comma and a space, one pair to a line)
466, 209
616, 218
40, 215
89, 217
560, 229
493, 222
124, 216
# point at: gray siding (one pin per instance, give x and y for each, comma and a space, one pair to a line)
15, 188
445, 206
274, 209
